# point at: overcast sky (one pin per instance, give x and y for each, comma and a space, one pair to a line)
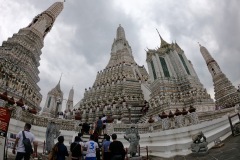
80, 41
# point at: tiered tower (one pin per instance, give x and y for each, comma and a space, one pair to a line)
20, 56
53, 104
174, 82
226, 94
117, 88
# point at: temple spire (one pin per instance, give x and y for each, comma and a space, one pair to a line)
23, 50
163, 42
43, 22
69, 105
60, 77
120, 32
206, 55
121, 51
223, 88
58, 85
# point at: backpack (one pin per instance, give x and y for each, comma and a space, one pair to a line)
27, 144
76, 147
53, 154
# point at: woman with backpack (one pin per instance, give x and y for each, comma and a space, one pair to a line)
76, 149
61, 149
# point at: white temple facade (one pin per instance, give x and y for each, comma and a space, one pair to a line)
174, 83
53, 104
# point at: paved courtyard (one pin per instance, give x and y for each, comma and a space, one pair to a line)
230, 151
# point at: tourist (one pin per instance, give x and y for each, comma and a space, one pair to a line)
118, 121
105, 146
116, 149
62, 151
21, 152
91, 148
81, 142
104, 138
91, 131
146, 109
80, 137
151, 120
142, 109
85, 128
99, 126
96, 137
159, 117
76, 149
104, 120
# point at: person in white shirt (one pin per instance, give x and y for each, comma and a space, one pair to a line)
104, 118
91, 149
20, 146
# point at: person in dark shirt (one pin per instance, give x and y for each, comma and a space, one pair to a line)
80, 137
105, 146
116, 149
99, 126
85, 128
62, 149
76, 149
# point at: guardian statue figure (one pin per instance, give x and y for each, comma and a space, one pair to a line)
52, 133
133, 138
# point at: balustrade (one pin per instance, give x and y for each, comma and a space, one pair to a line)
164, 124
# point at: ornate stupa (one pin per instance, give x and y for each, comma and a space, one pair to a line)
20, 56
174, 83
117, 88
226, 94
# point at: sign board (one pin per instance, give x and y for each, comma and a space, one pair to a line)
4, 122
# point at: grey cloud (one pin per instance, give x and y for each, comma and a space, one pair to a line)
80, 55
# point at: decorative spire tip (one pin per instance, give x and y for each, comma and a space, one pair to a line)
60, 77
199, 44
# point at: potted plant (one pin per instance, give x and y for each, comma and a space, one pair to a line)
20, 102
33, 111
109, 119
177, 112
170, 115
11, 101
164, 115
4, 96
184, 112
78, 116
192, 109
